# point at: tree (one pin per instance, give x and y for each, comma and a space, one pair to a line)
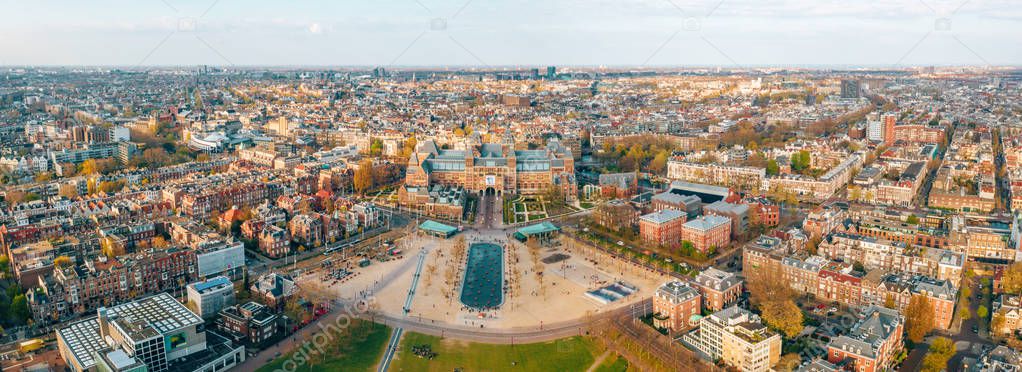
155, 157
159, 242
5, 265
800, 161
789, 362
375, 147
198, 100
997, 323
68, 191
44, 177
110, 248
912, 220
982, 312
61, 262
941, 350
88, 167
783, 316
294, 309
772, 169
19, 308
659, 163
1011, 279
768, 284
889, 302
110, 187
918, 318
364, 176
409, 147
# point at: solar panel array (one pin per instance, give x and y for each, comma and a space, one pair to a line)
162, 311
83, 339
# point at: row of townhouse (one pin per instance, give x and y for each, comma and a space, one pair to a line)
888, 255
101, 282
836, 281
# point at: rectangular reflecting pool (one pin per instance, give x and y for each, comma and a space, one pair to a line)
482, 287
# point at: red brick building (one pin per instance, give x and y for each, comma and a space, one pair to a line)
763, 211
274, 242
719, 289
251, 322
663, 227
707, 232
674, 305
873, 342
619, 185
838, 283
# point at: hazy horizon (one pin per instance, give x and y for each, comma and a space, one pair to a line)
487, 34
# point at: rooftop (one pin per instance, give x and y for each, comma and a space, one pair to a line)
664, 216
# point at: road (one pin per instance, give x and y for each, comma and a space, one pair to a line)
338, 311
488, 212
547, 332
968, 344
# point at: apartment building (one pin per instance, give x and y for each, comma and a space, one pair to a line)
210, 296
663, 227
676, 306
737, 213
741, 178
888, 255
901, 287
1009, 307
274, 241
250, 323
719, 289
737, 338
707, 232
107, 281
872, 343
616, 214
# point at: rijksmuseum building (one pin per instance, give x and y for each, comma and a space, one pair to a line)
495, 168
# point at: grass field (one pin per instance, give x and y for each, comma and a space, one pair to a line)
613, 363
359, 350
569, 354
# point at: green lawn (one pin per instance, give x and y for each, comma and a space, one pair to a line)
569, 354
359, 350
613, 363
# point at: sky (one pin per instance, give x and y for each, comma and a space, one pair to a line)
490, 33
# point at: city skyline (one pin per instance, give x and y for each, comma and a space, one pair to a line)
402, 33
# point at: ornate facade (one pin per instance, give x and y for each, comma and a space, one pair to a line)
496, 167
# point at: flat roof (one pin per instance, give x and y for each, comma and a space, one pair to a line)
83, 340
438, 227
161, 311
212, 283
539, 228
663, 216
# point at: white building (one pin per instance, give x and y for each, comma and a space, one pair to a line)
875, 130
156, 331
738, 338
211, 296
220, 258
